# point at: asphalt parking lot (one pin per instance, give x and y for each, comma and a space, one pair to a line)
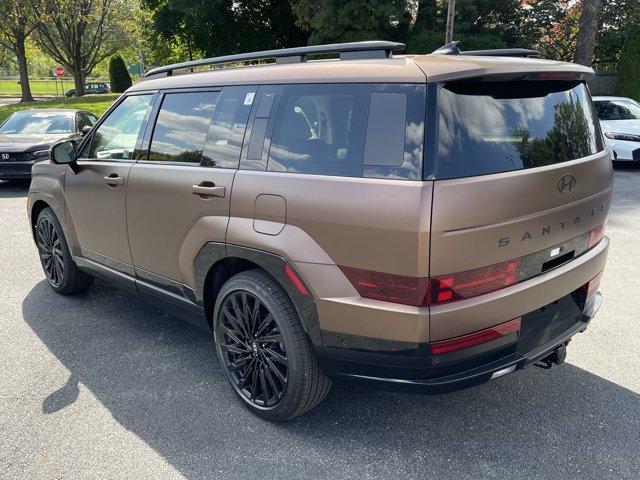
104, 386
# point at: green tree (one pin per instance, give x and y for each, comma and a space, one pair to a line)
221, 27
80, 34
615, 19
15, 27
629, 67
118, 75
331, 21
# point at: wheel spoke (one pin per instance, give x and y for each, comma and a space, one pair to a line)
234, 323
233, 335
273, 355
277, 338
239, 363
273, 369
263, 384
265, 323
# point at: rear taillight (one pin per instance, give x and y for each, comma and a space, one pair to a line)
388, 287
477, 338
422, 292
472, 283
596, 235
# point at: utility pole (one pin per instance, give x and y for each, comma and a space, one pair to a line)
451, 13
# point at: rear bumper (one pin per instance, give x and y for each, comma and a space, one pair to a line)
415, 375
15, 170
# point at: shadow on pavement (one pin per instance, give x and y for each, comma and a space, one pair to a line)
159, 378
14, 188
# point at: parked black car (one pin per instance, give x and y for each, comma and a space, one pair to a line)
26, 136
91, 88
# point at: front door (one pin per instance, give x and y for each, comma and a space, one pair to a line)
178, 198
96, 191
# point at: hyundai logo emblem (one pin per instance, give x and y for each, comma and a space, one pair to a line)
566, 184
4, 156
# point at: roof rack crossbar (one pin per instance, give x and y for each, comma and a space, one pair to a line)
452, 48
347, 51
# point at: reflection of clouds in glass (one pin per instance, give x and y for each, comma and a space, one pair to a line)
415, 133
182, 122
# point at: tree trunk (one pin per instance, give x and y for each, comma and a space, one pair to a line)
78, 81
451, 13
587, 32
25, 88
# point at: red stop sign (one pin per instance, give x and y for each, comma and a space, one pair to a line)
59, 71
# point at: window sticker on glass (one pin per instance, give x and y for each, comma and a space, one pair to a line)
248, 100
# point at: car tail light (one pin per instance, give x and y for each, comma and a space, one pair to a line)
596, 235
422, 291
388, 287
472, 283
477, 338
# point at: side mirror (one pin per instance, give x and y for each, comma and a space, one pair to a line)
64, 153
86, 129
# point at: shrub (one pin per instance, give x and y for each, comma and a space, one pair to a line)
118, 75
628, 84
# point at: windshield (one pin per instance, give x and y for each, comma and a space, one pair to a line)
619, 109
490, 127
38, 123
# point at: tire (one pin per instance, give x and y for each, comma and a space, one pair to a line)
61, 271
251, 362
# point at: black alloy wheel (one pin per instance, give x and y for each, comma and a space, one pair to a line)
63, 274
50, 249
253, 351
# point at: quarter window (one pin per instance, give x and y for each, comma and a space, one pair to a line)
181, 128
116, 137
320, 129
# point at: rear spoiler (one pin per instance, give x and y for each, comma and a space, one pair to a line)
453, 49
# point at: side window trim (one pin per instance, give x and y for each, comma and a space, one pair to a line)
141, 154
85, 145
264, 139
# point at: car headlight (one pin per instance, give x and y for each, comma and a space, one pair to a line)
40, 153
622, 136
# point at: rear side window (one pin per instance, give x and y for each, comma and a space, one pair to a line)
490, 127
320, 129
226, 132
182, 126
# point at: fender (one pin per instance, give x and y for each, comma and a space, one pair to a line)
213, 252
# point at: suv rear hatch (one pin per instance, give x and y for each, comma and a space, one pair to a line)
522, 187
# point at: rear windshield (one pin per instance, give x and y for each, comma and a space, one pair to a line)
490, 127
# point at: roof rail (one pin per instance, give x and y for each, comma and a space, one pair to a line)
347, 51
453, 49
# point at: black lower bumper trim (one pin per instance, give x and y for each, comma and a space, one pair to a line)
507, 361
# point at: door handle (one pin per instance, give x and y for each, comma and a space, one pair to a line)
209, 190
114, 180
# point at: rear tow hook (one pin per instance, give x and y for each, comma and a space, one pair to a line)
558, 357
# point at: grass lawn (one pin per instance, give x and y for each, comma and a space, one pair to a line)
97, 104
38, 87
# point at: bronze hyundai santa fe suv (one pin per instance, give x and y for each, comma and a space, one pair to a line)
422, 223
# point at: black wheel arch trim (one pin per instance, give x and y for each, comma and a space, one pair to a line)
213, 252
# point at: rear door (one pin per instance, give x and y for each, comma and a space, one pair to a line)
519, 169
179, 194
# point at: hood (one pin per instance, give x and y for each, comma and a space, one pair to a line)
621, 126
18, 142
